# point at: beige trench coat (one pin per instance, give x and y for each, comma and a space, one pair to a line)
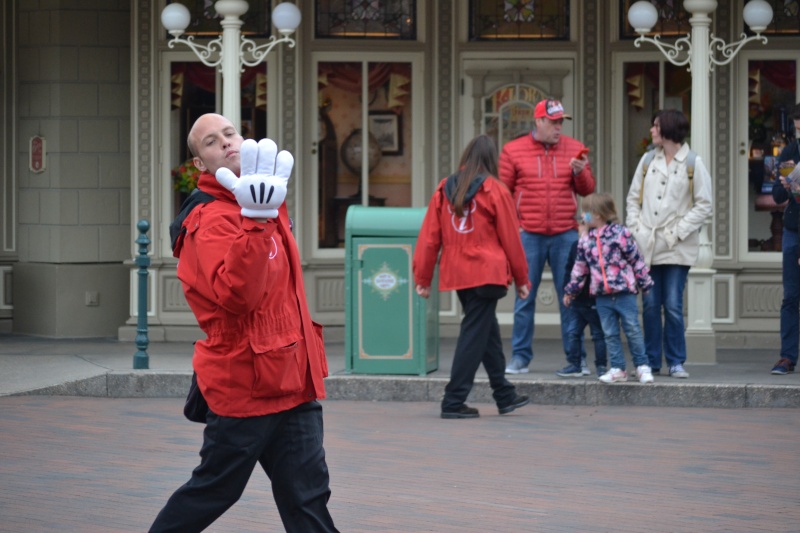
666, 223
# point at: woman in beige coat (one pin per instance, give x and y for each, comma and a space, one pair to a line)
667, 204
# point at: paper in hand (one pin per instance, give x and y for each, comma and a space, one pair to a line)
793, 179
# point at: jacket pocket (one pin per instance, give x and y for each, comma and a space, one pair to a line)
320, 340
671, 233
279, 370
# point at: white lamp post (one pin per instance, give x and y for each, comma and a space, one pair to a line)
699, 49
231, 51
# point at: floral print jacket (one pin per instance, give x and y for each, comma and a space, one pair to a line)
610, 258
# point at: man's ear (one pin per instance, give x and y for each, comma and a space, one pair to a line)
199, 164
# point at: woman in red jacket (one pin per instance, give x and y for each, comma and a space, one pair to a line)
471, 218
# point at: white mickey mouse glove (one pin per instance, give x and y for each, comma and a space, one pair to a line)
261, 188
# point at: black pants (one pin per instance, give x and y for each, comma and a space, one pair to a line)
478, 342
288, 446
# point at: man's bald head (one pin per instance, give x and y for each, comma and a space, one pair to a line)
214, 142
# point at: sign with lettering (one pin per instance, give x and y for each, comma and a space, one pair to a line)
38, 154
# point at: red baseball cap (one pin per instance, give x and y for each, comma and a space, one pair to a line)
551, 109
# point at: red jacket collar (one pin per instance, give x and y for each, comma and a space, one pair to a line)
209, 184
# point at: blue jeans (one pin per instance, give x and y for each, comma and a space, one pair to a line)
790, 307
613, 310
553, 249
667, 337
579, 314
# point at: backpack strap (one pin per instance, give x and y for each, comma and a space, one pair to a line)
648, 158
690, 160
176, 229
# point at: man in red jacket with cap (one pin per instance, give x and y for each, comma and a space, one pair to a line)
261, 365
545, 172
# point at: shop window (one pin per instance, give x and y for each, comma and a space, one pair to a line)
365, 19
673, 19
193, 89
342, 179
497, 20
772, 93
205, 22
508, 112
650, 87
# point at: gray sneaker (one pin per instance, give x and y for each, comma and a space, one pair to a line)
516, 366
585, 368
677, 371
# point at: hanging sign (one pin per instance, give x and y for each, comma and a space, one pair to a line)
38, 154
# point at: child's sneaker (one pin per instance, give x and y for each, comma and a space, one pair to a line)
614, 375
644, 374
570, 371
678, 371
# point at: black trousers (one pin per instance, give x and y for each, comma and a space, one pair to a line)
288, 446
478, 342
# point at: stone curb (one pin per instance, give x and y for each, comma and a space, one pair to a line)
159, 384
382, 388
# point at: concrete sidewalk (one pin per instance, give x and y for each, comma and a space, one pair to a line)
104, 368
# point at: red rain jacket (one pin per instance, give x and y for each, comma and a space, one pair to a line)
244, 283
481, 248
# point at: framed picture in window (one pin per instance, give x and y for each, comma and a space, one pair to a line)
386, 127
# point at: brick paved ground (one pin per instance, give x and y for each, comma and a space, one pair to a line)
105, 465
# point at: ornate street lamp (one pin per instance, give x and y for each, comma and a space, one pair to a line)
231, 50
700, 48
700, 51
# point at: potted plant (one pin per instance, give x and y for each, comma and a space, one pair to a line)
185, 176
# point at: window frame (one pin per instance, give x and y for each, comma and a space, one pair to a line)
568, 5
418, 7
164, 194
417, 144
740, 168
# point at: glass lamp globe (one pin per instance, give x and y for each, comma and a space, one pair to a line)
286, 17
175, 18
642, 16
757, 15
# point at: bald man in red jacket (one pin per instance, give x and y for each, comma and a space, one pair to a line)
262, 363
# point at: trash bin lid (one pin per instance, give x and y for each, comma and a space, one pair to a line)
383, 221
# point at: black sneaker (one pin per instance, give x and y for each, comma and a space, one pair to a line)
462, 412
519, 401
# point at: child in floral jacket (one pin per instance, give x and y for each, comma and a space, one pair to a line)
609, 257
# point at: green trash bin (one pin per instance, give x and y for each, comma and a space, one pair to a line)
389, 329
